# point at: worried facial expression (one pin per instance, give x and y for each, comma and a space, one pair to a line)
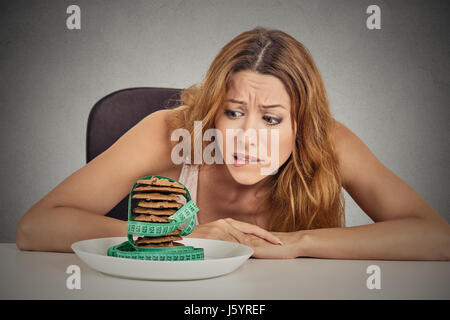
255, 122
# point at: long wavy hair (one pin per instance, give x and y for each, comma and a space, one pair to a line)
306, 191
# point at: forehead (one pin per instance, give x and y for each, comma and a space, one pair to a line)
266, 89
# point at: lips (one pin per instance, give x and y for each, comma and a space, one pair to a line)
241, 157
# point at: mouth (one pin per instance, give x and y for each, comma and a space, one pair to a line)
241, 159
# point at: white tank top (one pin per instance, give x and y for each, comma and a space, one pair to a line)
189, 177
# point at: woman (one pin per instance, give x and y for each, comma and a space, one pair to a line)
262, 79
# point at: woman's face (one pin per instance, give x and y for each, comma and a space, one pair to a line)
258, 104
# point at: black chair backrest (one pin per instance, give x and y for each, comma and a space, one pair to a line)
118, 112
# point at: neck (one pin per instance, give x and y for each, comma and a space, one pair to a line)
234, 190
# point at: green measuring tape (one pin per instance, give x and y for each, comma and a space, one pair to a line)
184, 216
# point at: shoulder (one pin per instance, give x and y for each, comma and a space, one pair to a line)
375, 188
152, 135
156, 130
352, 153
158, 123
344, 138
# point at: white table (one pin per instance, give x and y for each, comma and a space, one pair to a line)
42, 275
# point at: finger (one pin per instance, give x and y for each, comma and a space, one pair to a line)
253, 229
235, 233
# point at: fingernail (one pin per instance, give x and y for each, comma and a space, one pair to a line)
278, 240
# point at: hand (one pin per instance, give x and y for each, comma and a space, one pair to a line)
266, 250
232, 230
265, 244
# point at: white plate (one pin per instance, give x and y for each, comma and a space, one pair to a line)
221, 257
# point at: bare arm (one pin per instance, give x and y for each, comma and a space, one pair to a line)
403, 239
75, 209
406, 227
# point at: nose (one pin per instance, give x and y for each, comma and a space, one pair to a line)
250, 134
250, 122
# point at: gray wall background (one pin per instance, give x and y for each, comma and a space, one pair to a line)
390, 86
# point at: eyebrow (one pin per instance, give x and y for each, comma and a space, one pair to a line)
265, 107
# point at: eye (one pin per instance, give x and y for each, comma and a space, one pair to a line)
272, 121
231, 113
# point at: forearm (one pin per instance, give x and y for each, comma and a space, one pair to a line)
402, 239
57, 228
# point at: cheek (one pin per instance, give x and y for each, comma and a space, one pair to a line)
222, 123
284, 143
220, 126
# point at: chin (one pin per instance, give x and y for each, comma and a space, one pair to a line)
245, 175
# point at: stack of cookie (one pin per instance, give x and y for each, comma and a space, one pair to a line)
156, 199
